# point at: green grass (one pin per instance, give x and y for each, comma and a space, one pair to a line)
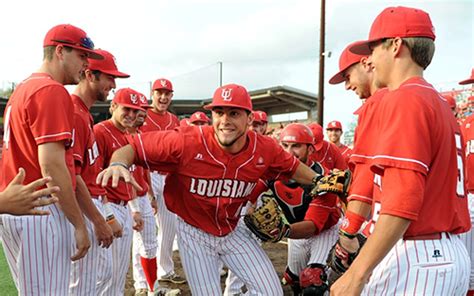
7, 287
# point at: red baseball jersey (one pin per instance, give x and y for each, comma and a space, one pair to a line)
39, 111
345, 152
87, 157
109, 138
468, 133
159, 122
416, 132
140, 175
207, 186
329, 156
362, 186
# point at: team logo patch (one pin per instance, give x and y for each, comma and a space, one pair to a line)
260, 161
198, 156
226, 94
134, 99
163, 83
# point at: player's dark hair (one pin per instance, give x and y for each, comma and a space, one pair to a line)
96, 74
421, 49
48, 52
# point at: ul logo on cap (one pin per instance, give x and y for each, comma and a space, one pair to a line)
198, 115
133, 98
143, 100
163, 83
226, 94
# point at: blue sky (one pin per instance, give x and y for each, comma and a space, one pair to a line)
260, 43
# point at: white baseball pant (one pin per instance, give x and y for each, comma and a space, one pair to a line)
144, 242
468, 240
38, 250
166, 222
422, 267
85, 272
121, 248
201, 252
302, 252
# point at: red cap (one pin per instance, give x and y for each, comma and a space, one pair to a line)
317, 134
397, 22
162, 83
199, 117
346, 60
71, 36
106, 65
231, 95
260, 116
129, 98
144, 101
184, 122
469, 80
334, 125
450, 100
297, 133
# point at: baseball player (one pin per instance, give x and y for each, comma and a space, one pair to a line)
334, 133
110, 136
184, 122
87, 277
313, 222
18, 199
38, 138
145, 242
468, 133
213, 170
199, 118
419, 205
160, 119
260, 122
324, 152
452, 103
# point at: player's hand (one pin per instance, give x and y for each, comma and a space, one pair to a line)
116, 173
154, 206
82, 243
137, 221
103, 233
348, 284
19, 199
116, 228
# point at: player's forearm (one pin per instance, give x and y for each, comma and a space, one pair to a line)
359, 207
55, 167
125, 155
84, 200
303, 229
304, 174
388, 230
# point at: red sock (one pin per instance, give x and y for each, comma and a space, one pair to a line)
149, 268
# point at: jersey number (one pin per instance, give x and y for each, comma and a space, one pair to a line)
93, 153
6, 127
460, 183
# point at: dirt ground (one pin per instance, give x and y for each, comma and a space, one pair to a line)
276, 252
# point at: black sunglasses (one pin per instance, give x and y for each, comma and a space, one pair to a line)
86, 42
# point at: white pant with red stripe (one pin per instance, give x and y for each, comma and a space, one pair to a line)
202, 252
302, 252
121, 248
87, 277
468, 240
422, 267
144, 242
166, 222
38, 251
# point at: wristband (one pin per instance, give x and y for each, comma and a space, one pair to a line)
109, 214
118, 163
111, 221
351, 224
134, 205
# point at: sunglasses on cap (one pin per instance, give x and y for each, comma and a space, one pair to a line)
86, 42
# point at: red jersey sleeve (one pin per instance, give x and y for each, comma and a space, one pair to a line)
403, 193
160, 150
79, 142
404, 133
283, 164
259, 189
56, 127
323, 212
362, 185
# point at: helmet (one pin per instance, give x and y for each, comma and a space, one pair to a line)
296, 133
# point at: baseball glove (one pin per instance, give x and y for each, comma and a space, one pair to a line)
268, 222
339, 259
337, 182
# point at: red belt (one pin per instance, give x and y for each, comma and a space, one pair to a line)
118, 202
430, 236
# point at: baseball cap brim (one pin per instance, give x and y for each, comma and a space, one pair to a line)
467, 81
92, 53
132, 106
211, 106
339, 77
114, 73
363, 48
